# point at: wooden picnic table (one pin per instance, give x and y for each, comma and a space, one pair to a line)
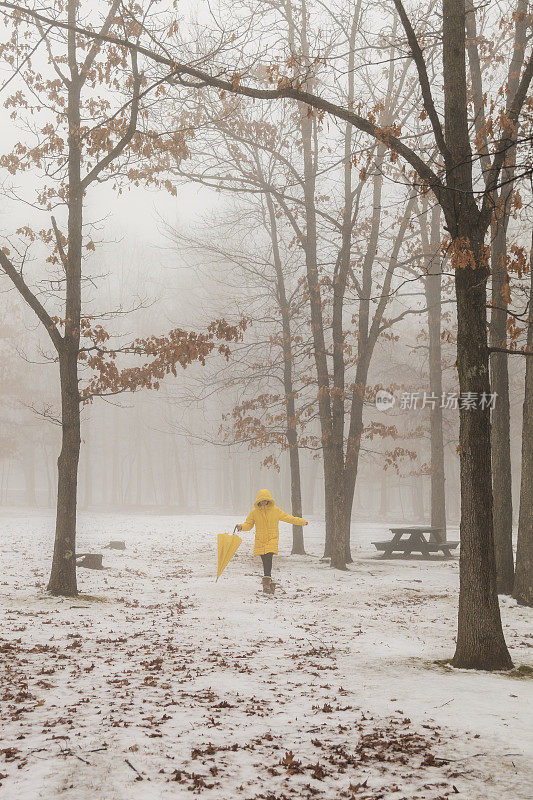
413, 540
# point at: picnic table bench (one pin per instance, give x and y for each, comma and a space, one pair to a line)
413, 540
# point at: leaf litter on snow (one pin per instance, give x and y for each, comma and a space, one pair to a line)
176, 684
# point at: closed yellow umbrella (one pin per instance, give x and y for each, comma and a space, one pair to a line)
228, 544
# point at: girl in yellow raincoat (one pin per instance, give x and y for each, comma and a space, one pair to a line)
266, 516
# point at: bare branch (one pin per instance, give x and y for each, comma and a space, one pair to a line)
34, 303
510, 352
425, 86
59, 242
130, 131
284, 90
507, 139
93, 52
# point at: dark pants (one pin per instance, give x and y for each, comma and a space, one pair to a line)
267, 563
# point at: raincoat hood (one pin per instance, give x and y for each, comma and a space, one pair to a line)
264, 494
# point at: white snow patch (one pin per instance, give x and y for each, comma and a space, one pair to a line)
206, 688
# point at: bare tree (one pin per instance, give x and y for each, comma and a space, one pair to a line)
468, 212
82, 141
267, 289
503, 199
430, 231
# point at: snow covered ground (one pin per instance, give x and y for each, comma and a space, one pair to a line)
158, 682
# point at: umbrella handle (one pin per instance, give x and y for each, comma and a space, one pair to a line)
235, 528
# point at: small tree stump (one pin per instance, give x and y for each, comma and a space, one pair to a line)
89, 560
116, 544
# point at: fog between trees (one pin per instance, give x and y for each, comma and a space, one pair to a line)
371, 169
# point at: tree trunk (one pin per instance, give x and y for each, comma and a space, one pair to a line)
432, 287
501, 441
334, 545
368, 334
328, 511
353, 450
298, 546
501, 422
480, 640
340, 277
338, 543
501, 451
63, 575
347, 527
290, 405
523, 582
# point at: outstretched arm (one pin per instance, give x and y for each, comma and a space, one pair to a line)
284, 517
249, 524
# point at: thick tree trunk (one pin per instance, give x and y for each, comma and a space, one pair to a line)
338, 544
334, 497
523, 582
63, 575
480, 640
342, 516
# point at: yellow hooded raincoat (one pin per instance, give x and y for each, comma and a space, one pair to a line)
266, 519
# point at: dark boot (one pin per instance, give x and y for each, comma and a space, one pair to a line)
267, 583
